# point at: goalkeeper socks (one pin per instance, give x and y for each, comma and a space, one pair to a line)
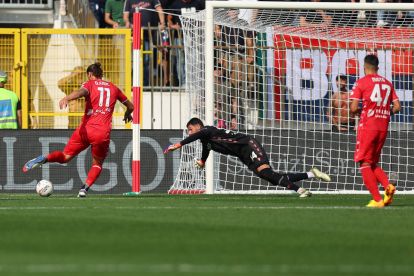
56, 156
277, 179
295, 177
93, 174
370, 182
381, 176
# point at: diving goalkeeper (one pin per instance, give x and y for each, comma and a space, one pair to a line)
248, 150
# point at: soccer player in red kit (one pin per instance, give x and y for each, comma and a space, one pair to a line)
377, 95
95, 128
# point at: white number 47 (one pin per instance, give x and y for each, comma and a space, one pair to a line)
376, 94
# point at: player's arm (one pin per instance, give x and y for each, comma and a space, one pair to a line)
204, 132
355, 97
200, 163
128, 112
396, 106
82, 92
354, 107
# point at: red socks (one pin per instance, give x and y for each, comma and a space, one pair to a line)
381, 176
370, 181
56, 156
93, 174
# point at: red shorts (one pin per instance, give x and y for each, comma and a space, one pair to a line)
369, 145
83, 137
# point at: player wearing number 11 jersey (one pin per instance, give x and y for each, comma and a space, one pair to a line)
377, 95
95, 128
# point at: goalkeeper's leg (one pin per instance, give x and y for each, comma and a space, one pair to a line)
267, 173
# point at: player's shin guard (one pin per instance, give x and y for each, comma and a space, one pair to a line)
277, 179
56, 156
93, 174
370, 182
381, 176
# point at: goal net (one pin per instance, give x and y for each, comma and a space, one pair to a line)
284, 77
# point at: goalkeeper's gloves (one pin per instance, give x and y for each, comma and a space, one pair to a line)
199, 163
172, 148
127, 117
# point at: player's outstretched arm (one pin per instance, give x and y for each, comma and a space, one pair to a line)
128, 112
172, 148
82, 92
204, 132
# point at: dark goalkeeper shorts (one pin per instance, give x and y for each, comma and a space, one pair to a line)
253, 155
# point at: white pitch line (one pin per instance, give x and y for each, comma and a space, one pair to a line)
141, 207
210, 268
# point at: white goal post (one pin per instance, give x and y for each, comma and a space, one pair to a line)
277, 130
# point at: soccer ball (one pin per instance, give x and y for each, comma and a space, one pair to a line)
44, 188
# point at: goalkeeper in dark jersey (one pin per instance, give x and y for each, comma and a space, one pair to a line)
248, 150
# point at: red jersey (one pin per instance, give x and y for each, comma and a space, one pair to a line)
377, 94
100, 103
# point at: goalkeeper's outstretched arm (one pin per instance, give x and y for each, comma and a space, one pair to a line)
203, 133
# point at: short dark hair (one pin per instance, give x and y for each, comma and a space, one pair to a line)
341, 77
195, 121
95, 69
372, 60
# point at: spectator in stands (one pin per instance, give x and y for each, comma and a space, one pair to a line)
62, 7
178, 7
338, 113
10, 106
97, 7
312, 18
69, 84
148, 21
235, 61
394, 18
114, 13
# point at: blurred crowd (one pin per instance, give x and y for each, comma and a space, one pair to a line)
235, 71
162, 29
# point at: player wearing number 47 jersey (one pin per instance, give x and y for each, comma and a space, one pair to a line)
247, 149
377, 95
95, 128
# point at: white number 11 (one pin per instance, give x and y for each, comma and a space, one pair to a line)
101, 95
376, 94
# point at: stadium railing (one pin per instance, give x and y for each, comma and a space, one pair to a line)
10, 57
53, 54
26, 4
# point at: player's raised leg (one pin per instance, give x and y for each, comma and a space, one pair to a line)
34, 163
313, 173
53, 157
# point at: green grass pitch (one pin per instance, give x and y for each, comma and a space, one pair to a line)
205, 235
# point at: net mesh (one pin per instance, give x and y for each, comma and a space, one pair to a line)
284, 77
